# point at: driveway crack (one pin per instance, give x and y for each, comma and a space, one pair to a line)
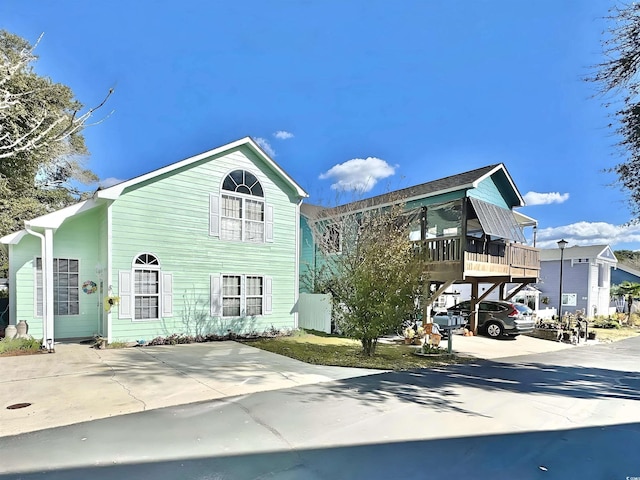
115, 380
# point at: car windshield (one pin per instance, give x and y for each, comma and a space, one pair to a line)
523, 308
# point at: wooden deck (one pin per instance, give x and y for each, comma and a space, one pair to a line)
454, 259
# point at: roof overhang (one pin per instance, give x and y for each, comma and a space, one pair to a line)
501, 167
51, 220
115, 191
524, 220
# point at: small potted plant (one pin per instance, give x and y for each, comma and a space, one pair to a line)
409, 334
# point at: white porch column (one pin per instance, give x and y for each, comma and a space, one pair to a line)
47, 286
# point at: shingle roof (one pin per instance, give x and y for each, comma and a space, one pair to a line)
575, 252
428, 189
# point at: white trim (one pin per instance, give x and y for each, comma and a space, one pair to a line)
146, 252
109, 279
243, 197
115, 191
513, 185
166, 298
125, 309
214, 215
13, 238
154, 268
47, 275
12, 288
268, 223
243, 294
215, 295
296, 282
267, 295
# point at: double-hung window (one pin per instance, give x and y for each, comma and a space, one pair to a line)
146, 287
66, 293
146, 291
240, 212
240, 295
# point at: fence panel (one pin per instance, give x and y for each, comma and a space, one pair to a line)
314, 312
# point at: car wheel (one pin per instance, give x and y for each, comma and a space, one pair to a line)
494, 330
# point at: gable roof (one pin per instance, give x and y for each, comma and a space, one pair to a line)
452, 183
55, 219
115, 191
601, 252
628, 269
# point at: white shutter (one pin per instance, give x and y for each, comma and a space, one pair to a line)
214, 215
124, 282
268, 295
167, 294
216, 296
268, 223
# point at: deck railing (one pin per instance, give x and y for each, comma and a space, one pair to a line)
449, 249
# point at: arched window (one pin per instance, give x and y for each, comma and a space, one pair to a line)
241, 181
242, 212
146, 287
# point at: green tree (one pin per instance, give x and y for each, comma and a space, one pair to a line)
626, 291
618, 77
370, 268
42, 149
628, 257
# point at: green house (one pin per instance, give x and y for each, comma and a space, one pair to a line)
205, 245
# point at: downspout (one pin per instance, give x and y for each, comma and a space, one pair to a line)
45, 312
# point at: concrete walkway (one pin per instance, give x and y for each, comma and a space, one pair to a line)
78, 383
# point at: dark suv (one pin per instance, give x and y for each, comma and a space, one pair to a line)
496, 318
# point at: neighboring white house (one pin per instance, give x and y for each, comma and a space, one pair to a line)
586, 278
586, 283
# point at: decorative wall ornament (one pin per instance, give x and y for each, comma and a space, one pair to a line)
89, 287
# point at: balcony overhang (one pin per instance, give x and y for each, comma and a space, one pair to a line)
497, 221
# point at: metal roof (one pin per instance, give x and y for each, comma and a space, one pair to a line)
497, 221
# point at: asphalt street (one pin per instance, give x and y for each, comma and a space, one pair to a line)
566, 414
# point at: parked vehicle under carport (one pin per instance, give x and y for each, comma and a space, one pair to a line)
496, 318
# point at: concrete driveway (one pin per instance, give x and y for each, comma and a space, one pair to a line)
79, 383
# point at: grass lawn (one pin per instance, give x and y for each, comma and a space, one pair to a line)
321, 349
614, 334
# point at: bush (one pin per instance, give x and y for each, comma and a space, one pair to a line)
605, 323
178, 339
13, 345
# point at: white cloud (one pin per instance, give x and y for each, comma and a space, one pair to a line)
266, 146
283, 135
109, 182
588, 233
358, 174
535, 198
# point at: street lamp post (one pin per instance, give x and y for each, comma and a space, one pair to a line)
561, 244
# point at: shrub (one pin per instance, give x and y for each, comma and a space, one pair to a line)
11, 345
605, 323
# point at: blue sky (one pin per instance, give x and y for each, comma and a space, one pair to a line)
350, 93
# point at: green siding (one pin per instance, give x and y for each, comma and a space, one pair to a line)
489, 191
445, 197
77, 238
169, 217
307, 256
